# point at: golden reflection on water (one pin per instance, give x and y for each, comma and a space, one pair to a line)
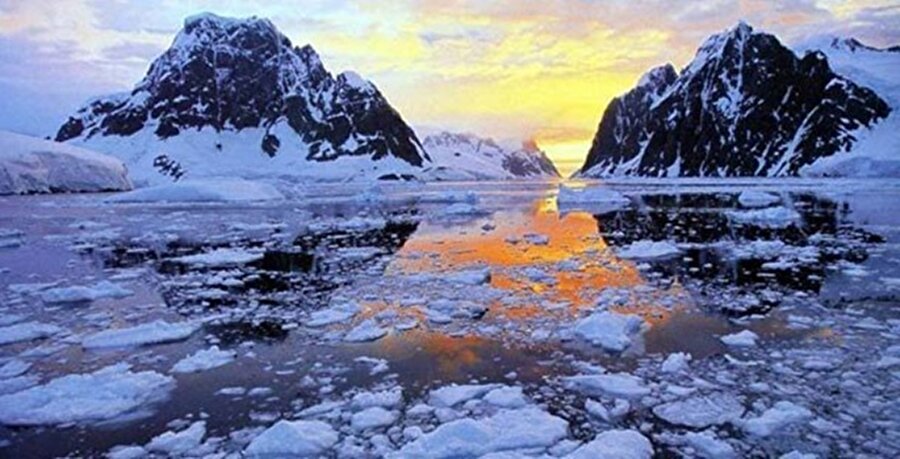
572, 238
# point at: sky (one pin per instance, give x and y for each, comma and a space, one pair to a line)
507, 69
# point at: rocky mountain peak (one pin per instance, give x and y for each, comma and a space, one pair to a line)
236, 75
745, 106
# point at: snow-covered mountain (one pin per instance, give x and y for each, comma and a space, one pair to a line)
235, 97
877, 151
745, 106
469, 157
31, 165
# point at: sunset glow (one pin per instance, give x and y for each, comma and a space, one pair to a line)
503, 69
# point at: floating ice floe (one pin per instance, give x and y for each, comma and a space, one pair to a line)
11, 238
204, 359
454, 394
469, 197
608, 413
506, 397
27, 331
384, 399
221, 258
771, 217
367, 330
461, 208
156, 332
615, 444
507, 430
701, 411
705, 444
13, 368
81, 294
648, 250
182, 443
335, 314
609, 330
744, 338
293, 439
207, 190
782, 415
676, 363
614, 385
754, 199
104, 394
372, 418
596, 199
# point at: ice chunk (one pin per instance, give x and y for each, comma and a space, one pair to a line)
772, 217
453, 394
745, 338
676, 363
105, 394
615, 444
648, 250
615, 384
127, 452
753, 198
207, 190
507, 430
221, 258
32, 165
27, 331
333, 315
371, 418
596, 199
701, 411
204, 359
155, 332
367, 330
450, 197
609, 330
471, 277
385, 399
705, 444
80, 294
12, 368
775, 419
506, 397
179, 443
293, 439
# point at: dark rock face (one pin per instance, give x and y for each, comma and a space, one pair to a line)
746, 106
230, 74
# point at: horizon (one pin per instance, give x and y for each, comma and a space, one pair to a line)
508, 72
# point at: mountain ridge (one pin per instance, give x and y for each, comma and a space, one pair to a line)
746, 105
217, 80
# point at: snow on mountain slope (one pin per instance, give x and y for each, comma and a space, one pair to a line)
745, 106
234, 97
469, 157
32, 165
877, 151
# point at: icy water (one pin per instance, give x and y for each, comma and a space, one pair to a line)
339, 293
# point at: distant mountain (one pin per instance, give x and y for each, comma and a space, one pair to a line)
745, 106
235, 97
877, 151
469, 157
